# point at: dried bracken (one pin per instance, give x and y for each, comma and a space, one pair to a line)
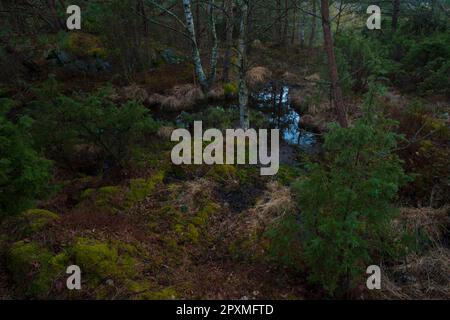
155, 99
165, 132
135, 92
276, 202
258, 76
181, 97
434, 223
420, 277
216, 93
290, 78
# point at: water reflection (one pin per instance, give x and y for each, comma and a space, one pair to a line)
275, 101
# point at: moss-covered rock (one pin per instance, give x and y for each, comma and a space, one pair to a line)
108, 198
106, 195
141, 188
37, 219
33, 268
101, 260
230, 88
84, 45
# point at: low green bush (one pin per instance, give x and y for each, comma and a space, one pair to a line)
24, 174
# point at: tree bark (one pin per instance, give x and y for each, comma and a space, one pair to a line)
214, 50
313, 25
242, 52
195, 51
228, 40
337, 93
395, 14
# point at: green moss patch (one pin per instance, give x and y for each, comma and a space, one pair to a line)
33, 268
102, 260
141, 188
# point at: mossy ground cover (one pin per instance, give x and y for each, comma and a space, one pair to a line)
161, 235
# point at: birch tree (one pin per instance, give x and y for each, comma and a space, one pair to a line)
242, 57
205, 82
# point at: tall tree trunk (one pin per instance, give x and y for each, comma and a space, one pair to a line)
395, 14
302, 27
242, 52
337, 93
277, 27
338, 23
313, 25
195, 51
143, 12
286, 22
197, 23
214, 50
294, 25
229, 40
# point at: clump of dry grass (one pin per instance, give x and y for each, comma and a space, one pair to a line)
165, 132
433, 223
297, 98
420, 277
187, 92
155, 99
250, 226
258, 76
314, 78
216, 93
181, 97
135, 92
172, 103
276, 202
290, 78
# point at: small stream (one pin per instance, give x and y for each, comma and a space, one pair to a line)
272, 106
276, 104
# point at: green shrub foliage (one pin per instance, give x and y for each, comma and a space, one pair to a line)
24, 174
91, 126
346, 203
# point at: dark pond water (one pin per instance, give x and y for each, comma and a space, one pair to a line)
275, 102
272, 103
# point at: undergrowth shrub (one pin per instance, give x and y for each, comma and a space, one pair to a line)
361, 60
24, 174
90, 125
346, 205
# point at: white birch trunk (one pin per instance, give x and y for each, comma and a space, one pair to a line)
242, 52
195, 52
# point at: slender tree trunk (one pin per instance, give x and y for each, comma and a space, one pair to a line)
197, 23
195, 51
395, 14
337, 93
145, 28
338, 23
286, 22
229, 40
242, 51
214, 50
302, 27
277, 27
294, 24
313, 25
